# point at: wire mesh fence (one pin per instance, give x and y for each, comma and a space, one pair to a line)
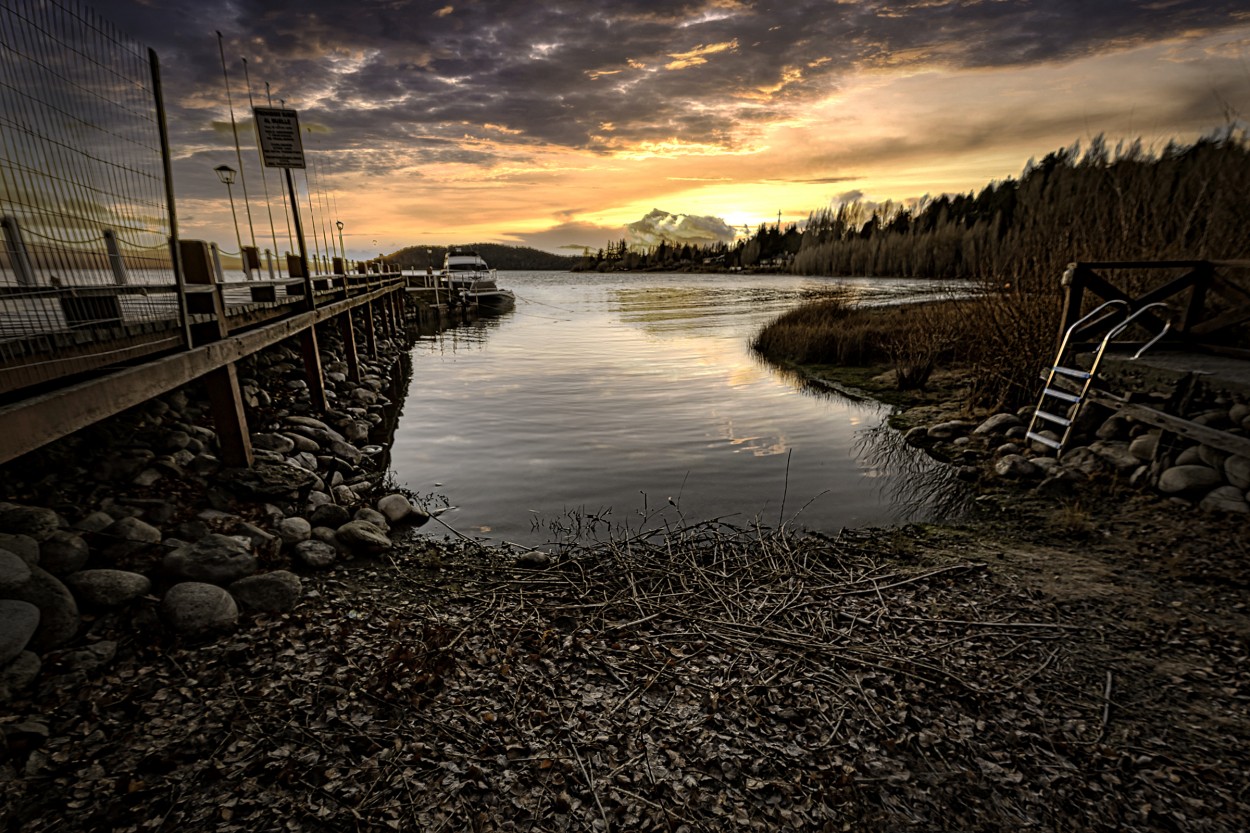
85, 221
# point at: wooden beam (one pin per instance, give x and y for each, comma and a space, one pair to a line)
348, 334
226, 403
1222, 440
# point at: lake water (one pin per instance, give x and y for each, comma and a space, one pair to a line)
635, 399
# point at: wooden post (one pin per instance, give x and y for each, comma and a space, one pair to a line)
224, 398
348, 332
313, 374
1073, 282
397, 305
371, 335
1198, 295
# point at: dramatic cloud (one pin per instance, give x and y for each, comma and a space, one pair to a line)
660, 226
638, 102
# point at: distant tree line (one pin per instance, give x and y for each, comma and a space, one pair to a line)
496, 255
1186, 201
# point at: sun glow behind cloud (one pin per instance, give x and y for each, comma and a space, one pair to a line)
561, 118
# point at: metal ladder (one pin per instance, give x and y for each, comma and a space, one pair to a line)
1085, 378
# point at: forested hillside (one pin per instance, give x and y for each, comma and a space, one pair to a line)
496, 255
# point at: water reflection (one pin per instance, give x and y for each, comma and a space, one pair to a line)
602, 392
916, 486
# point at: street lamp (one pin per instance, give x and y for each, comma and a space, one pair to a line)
342, 251
226, 174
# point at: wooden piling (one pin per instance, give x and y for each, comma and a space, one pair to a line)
348, 334
224, 397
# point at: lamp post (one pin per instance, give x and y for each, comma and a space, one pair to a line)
226, 174
342, 251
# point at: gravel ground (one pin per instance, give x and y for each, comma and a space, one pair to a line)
1033, 670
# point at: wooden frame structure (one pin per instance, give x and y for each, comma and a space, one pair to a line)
1199, 330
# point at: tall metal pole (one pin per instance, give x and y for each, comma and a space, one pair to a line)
247, 77
237, 238
238, 153
175, 255
299, 236
285, 215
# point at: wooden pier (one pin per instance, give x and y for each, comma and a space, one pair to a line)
73, 355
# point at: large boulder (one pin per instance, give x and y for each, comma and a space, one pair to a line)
1189, 480
195, 609
58, 611
362, 537
273, 592
214, 559
107, 588
18, 622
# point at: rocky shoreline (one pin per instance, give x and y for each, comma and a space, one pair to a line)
136, 516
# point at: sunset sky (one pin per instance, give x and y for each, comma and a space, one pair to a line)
558, 124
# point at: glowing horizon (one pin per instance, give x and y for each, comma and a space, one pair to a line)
559, 128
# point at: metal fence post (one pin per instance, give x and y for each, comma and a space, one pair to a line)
115, 258
18, 256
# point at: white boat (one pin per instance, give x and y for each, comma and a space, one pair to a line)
468, 277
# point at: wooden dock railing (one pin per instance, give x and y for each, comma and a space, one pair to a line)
71, 355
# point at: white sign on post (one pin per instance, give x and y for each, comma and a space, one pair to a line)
280, 143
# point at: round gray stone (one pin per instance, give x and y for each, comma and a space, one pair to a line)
362, 537
1143, 447
372, 516
997, 424
37, 522
398, 509
107, 588
273, 592
1237, 470
1016, 466
18, 622
58, 611
294, 530
14, 572
1225, 499
316, 554
63, 553
1190, 479
330, 514
23, 546
19, 674
194, 608
273, 442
